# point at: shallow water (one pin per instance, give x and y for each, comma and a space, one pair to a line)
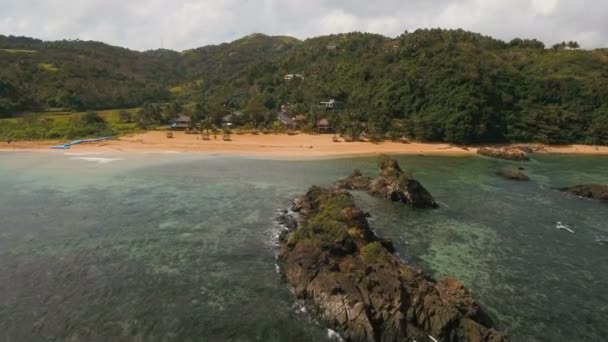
180, 247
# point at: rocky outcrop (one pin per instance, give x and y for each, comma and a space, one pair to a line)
392, 183
594, 191
356, 181
512, 174
507, 153
354, 284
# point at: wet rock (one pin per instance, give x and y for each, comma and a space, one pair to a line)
507, 153
512, 174
357, 287
286, 220
356, 181
392, 183
594, 191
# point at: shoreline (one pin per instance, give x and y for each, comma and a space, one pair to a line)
301, 146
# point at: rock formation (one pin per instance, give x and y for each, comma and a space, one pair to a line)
512, 174
508, 153
392, 183
356, 286
594, 191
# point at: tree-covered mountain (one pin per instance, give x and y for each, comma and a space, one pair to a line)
435, 85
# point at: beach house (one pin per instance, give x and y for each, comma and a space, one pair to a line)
323, 125
299, 120
331, 104
181, 122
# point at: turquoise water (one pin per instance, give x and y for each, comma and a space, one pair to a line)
165, 247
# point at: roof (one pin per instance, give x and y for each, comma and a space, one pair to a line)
285, 119
299, 117
323, 122
183, 118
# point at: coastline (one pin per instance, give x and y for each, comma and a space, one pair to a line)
273, 145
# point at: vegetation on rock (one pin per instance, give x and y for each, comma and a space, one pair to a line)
356, 286
392, 183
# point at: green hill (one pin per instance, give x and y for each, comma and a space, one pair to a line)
434, 85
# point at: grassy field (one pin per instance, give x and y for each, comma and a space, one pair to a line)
18, 51
57, 125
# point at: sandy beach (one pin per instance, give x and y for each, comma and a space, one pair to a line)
274, 145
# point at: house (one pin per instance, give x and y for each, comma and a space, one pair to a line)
234, 119
323, 125
228, 120
290, 77
332, 47
299, 120
331, 104
286, 120
181, 122
294, 122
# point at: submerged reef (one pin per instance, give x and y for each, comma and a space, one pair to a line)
593, 191
507, 153
512, 174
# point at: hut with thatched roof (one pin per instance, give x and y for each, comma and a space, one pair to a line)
323, 125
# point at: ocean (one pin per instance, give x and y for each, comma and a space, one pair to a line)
181, 247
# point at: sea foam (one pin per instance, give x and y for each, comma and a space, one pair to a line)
98, 160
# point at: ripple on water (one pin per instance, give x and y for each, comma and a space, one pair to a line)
179, 247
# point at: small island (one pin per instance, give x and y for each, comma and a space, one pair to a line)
356, 285
392, 183
353, 281
593, 191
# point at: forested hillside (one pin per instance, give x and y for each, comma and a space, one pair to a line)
432, 85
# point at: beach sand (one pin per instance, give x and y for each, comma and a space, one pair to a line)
274, 145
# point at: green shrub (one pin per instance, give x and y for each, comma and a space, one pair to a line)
375, 253
325, 226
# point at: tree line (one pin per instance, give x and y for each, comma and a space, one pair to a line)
431, 85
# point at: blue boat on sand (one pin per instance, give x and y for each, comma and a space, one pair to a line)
66, 146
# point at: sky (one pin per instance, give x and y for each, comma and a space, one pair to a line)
186, 24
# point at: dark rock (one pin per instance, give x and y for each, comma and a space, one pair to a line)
286, 220
507, 153
392, 183
357, 287
512, 174
356, 181
594, 191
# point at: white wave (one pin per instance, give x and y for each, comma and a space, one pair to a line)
81, 154
334, 336
161, 152
560, 226
98, 160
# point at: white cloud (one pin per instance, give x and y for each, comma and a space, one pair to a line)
338, 21
544, 7
183, 24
